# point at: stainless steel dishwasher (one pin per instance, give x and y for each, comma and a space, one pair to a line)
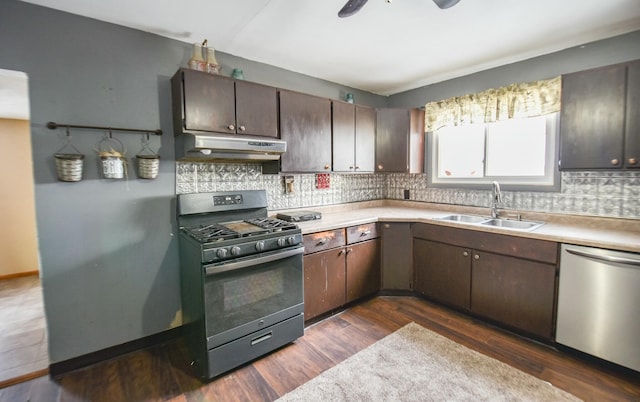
599, 303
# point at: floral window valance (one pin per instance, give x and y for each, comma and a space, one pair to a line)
511, 102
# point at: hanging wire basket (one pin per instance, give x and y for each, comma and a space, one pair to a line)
69, 164
148, 161
111, 152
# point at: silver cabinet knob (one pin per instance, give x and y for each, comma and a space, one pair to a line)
242, 128
614, 161
465, 253
327, 166
476, 257
231, 127
632, 161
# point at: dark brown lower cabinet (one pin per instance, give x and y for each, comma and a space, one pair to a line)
507, 279
340, 266
443, 272
324, 282
515, 292
363, 269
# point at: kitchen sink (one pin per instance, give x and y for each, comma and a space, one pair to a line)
491, 222
511, 224
463, 218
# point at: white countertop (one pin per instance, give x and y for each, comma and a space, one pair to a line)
618, 234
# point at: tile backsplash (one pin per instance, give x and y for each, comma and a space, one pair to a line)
594, 193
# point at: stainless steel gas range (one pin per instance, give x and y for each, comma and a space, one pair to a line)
241, 279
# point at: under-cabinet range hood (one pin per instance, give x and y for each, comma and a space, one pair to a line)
216, 147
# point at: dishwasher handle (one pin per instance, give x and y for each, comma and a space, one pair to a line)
606, 258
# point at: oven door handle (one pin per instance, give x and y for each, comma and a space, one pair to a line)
230, 266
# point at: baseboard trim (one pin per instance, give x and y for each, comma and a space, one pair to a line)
19, 275
57, 370
23, 378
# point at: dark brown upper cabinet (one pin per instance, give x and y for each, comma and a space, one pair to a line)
354, 138
399, 140
305, 124
632, 122
205, 102
599, 119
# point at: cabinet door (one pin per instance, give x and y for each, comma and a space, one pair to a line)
209, 102
400, 140
396, 256
392, 140
324, 282
442, 272
305, 123
515, 292
363, 269
256, 109
592, 119
344, 140
365, 139
632, 136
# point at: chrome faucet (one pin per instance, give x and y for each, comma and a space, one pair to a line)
497, 200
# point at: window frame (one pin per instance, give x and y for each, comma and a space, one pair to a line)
550, 183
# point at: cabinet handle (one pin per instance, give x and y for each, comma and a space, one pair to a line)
357, 167
231, 127
349, 250
321, 242
365, 233
380, 167
632, 161
614, 161
242, 128
465, 253
476, 257
327, 166
341, 251
350, 167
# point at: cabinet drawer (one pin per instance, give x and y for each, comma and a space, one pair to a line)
362, 232
323, 240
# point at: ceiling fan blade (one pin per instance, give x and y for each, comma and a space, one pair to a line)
445, 3
352, 7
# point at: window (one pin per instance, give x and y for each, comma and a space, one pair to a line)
518, 153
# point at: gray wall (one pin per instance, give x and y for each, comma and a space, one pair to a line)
596, 54
109, 256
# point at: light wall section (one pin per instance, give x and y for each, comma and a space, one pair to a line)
18, 235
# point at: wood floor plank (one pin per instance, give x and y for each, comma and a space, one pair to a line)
163, 373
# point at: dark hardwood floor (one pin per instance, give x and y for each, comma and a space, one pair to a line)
161, 373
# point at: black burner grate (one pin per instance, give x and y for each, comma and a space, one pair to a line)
273, 224
211, 232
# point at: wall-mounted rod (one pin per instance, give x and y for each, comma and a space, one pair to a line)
52, 126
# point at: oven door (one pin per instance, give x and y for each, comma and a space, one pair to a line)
246, 295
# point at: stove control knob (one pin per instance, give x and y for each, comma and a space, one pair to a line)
282, 242
235, 250
260, 245
221, 252
291, 240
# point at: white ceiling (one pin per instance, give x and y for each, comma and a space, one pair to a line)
387, 47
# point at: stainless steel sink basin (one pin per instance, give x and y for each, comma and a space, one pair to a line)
511, 224
478, 220
463, 218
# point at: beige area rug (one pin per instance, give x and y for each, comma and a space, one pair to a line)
415, 364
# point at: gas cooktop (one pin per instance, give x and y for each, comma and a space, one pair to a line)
217, 232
